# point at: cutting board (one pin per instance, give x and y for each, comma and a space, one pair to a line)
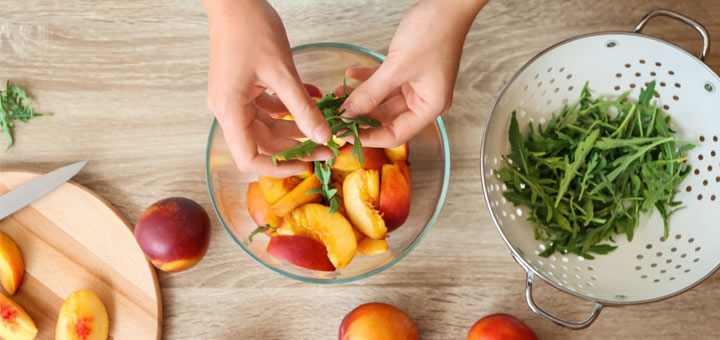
72, 239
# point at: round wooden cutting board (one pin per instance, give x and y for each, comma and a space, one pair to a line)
72, 239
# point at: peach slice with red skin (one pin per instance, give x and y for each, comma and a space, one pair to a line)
12, 267
298, 196
360, 194
374, 159
275, 188
398, 153
377, 321
259, 208
333, 230
82, 317
174, 233
394, 197
301, 251
15, 323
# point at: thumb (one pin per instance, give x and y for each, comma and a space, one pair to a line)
310, 121
372, 92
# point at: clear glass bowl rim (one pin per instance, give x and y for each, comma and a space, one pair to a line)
446, 178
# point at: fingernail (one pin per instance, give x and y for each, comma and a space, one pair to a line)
321, 134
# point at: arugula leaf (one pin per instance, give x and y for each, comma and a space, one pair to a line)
517, 145
14, 105
260, 230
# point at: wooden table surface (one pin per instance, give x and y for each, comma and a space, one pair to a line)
125, 82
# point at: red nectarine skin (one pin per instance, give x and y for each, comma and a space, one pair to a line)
301, 251
374, 159
394, 197
377, 321
500, 327
258, 206
313, 90
173, 229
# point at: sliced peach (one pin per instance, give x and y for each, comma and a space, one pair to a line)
313, 90
82, 317
338, 175
301, 251
259, 208
394, 197
333, 230
405, 169
369, 246
360, 196
15, 323
398, 153
275, 188
374, 159
12, 267
298, 196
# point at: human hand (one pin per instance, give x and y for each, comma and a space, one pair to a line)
249, 52
415, 83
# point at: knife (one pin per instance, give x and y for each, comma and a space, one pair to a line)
39, 187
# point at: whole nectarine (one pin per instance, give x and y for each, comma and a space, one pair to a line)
376, 321
15, 323
301, 251
500, 327
174, 233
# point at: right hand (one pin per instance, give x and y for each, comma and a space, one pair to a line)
249, 53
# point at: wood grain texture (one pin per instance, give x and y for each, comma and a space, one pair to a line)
126, 84
71, 240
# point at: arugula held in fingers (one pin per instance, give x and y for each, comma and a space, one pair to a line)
587, 175
340, 126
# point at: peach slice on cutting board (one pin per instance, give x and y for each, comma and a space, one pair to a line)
12, 267
333, 230
361, 191
82, 317
15, 323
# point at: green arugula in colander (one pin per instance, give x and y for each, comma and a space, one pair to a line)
588, 173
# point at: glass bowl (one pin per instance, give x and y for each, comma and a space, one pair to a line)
324, 65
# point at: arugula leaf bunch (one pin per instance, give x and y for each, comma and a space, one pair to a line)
589, 173
14, 105
340, 126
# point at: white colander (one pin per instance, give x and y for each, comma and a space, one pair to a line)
649, 268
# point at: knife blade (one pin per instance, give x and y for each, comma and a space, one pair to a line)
39, 187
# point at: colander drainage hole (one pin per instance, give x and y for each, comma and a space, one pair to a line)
590, 268
656, 280
638, 267
683, 255
709, 87
643, 276
663, 271
653, 265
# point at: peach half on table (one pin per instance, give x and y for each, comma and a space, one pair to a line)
12, 267
333, 230
15, 323
174, 233
394, 202
361, 191
82, 317
377, 321
301, 251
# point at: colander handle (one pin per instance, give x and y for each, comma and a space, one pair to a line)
677, 16
562, 322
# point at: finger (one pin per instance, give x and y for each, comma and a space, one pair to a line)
311, 122
360, 73
340, 90
237, 123
400, 130
372, 92
271, 104
390, 108
279, 127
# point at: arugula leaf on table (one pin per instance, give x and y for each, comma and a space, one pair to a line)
14, 105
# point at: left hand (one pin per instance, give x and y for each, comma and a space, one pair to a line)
415, 83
